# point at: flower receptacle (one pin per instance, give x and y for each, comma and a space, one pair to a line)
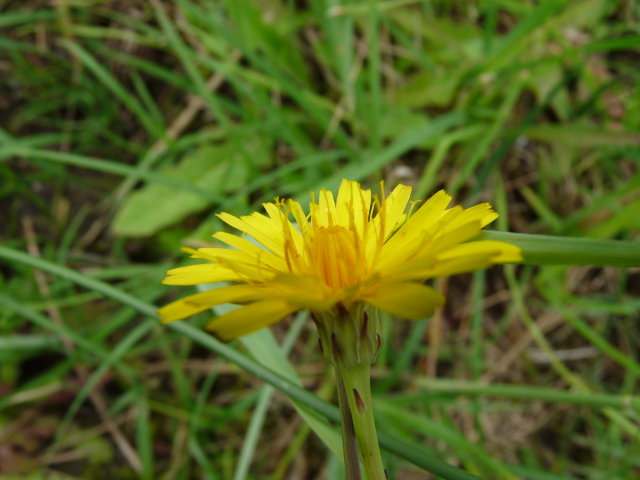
349, 336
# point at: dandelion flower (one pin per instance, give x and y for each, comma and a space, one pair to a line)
355, 251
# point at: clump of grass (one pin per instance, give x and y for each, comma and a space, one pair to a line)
124, 126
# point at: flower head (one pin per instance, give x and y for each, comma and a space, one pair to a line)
357, 248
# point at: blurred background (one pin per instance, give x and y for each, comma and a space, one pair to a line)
125, 125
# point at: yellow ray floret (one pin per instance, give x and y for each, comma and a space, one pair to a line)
354, 248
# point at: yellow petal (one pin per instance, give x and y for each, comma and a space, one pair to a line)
284, 226
259, 258
240, 243
429, 212
304, 292
249, 318
400, 253
261, 228
482, 214
391, 212
455, 226
188, 306
448, 238
203, 273
353, 205
419, 226
300, 217
325, 210
406, 300
242, 264
405, 270
471, 256
497, 251
455, 266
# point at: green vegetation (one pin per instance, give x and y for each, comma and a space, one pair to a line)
126, 125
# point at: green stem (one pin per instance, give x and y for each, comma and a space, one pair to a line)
357, 385
349, 446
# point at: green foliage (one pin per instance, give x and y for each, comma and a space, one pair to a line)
126, 125
219, 169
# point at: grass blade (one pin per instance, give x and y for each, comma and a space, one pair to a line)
551, 250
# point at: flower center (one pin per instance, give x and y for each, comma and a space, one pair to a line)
335, 254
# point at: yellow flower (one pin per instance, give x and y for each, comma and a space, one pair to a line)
355, 249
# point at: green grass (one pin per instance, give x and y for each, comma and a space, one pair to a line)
124, 127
